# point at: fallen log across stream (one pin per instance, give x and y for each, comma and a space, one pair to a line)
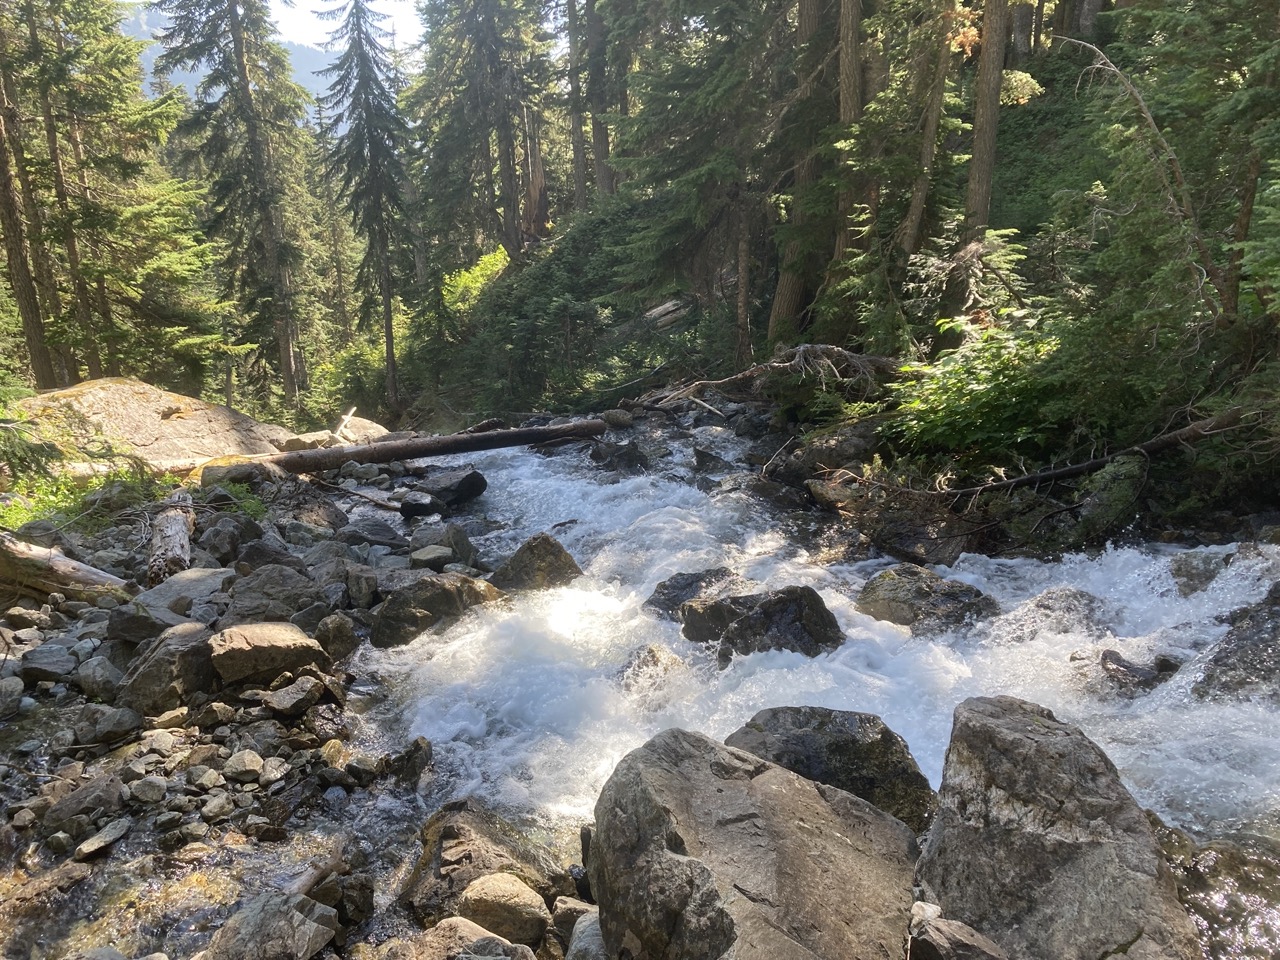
330, 458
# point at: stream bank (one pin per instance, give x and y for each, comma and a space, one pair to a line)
527, 705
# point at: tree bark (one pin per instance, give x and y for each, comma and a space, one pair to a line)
909, 233
577, 135
41, 264
986, 119
171, 538
742, 349
790, 295
851, 103
35, 569
1024, 16
598, 98
330, 458
20, 279
267, 195
80, 289
537, 211
388, 327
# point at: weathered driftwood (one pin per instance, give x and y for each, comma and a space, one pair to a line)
330, 458
39, 570
171, 538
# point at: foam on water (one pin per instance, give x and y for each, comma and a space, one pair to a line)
526, 702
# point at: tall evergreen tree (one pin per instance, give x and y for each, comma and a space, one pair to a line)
367, 136
246, 115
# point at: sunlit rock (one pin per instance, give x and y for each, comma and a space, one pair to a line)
263, 651
1038, 845
854, 752
507, 906
425, 602
914, 596
540, 563
463, 841
275, 926
738, 857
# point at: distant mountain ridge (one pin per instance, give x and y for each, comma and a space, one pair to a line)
144, 23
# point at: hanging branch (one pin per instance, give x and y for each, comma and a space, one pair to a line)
1178, 191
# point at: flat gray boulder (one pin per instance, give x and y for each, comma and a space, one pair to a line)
854, 752
261, 652
704, 852
1038, 845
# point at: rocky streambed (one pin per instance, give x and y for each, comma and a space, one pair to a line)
353, 731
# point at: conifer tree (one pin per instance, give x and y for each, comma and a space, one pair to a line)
367, 136
246, 116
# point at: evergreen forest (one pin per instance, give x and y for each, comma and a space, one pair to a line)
1058, 221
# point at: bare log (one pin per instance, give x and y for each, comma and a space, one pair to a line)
1194, 431
330, 458
40, 570
171, 538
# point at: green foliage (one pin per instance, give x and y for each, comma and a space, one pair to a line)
982, 396
76, 504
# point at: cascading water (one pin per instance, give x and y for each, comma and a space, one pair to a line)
530, 704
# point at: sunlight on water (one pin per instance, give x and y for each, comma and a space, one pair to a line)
530, 703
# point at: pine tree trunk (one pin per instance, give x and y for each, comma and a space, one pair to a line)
388, 328
1087, 24
791, 294
1037, 34
986, 119
267, 191
537, 210
1024, 16
851, 102
598, 98
909, 233
742, 354
80, 289
41, 263
508, 178
576, 133
20, 279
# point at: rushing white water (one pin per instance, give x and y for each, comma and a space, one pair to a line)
526, 704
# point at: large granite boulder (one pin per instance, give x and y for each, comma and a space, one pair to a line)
421, 604
162, 428
1059, 610
464, 841
261, 652
176, 665
540, 562
1038, 845
275, 926
453, 485
914, 596
701, 852
793, 618
1245, 664
671, 593
273, 592
854, 752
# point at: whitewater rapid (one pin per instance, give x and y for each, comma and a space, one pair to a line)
528, 703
